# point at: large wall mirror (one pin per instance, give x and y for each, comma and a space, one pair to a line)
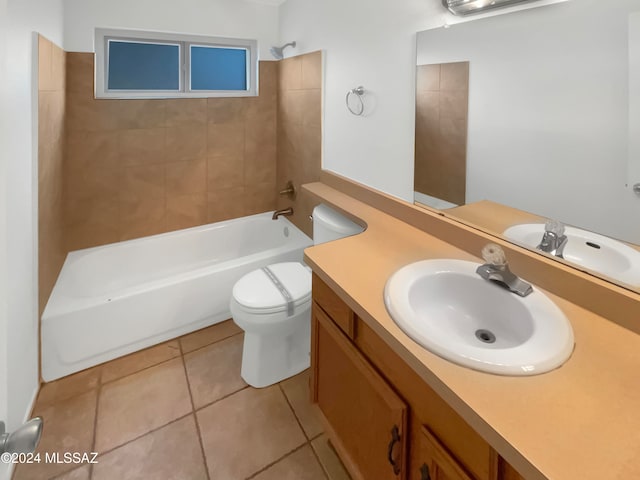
534, 116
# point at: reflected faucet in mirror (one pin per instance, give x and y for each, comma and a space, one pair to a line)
553, 240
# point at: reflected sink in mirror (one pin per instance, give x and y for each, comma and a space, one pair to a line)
586, 249
450, 310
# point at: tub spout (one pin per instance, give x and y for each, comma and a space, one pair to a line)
285, 211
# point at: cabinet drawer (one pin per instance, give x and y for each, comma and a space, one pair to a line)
437, 462
331, 303
366, 420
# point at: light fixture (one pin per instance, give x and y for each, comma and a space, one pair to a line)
469, 7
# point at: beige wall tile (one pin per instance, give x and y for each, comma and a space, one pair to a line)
85, 236
140, 217
185, 211
45, 58
225, 139
93, 183
185, 112
80, 73
291, 106
172, 452
312, 70
252, 420
143, 182
140, 113
226, 110
86, 113
290, 73
59, 69
139, 403
428, 78
101, 212
186, 177
142, 147
312, 108
186, 143
92, 150
454, 76
260, 168
268, 78
260, 198
225, 203
225, 171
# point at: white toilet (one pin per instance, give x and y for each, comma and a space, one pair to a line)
273, 307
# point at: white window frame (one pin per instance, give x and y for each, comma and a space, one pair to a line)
104, 35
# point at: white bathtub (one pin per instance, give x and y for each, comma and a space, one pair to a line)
113, 300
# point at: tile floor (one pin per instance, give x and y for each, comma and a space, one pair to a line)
180, 411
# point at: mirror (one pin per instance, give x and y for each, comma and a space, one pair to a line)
552, 130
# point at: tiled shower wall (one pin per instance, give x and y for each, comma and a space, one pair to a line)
442, 93
51, 113
300, 131
140, 167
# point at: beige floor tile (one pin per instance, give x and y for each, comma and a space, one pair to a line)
137, 361
70, 386
214, 371
300, 465
82, 473
247, 431
68, 427
330, 461
297, 391
209, 335
172, 452
139, 403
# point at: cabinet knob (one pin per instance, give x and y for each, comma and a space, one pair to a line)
424, 472
395, 438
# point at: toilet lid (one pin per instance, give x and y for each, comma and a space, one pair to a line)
256, 291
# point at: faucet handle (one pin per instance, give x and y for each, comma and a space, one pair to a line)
554, 226
494, 255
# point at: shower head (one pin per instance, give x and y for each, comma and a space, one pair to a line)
277, 51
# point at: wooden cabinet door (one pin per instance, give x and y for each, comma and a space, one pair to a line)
438, 463
367, 421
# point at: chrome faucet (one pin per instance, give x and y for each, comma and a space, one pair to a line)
287, 212
554, 240
497, 270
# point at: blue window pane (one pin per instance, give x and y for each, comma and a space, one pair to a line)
214, 68
143, 66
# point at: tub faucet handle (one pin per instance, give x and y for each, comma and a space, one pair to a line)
289, 190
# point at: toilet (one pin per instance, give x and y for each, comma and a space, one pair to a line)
273, 307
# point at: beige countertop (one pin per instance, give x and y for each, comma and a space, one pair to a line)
581, 421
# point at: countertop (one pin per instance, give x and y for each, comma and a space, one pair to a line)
581, 421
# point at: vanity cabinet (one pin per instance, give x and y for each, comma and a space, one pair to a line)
384, 421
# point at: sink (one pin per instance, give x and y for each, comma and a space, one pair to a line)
447, 308
586, 249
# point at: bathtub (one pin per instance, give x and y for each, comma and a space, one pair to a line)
113, 300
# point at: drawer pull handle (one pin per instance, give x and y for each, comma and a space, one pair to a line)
395, 438
424, 472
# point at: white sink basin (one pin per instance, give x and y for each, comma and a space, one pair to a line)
586, 249
450, 310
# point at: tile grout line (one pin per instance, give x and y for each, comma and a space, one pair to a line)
295, 415
199, 409
266, 467
95, 420
193, 414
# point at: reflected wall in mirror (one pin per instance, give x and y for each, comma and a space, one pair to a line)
442, 93
551, 127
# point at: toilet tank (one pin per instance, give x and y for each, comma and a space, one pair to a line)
330, 225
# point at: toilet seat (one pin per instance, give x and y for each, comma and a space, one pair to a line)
256, 294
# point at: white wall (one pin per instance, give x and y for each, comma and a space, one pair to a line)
370, 43
18, 217
548, 111
225, 18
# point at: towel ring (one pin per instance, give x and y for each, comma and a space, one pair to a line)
358, 92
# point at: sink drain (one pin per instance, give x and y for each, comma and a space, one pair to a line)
485, 336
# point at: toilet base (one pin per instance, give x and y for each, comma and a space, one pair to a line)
270, 358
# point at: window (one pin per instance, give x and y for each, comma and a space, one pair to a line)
132, 64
